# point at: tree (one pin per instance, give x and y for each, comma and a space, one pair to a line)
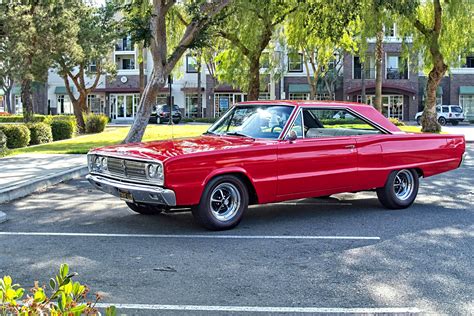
9, 68
373, 17
165, 57
249, 27
440, 31
85, 56
31, 31
322, 31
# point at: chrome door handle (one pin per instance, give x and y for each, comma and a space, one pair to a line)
350, 146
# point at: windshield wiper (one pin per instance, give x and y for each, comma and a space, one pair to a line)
238, 134
210, 133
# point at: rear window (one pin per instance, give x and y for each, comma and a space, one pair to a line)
456, 109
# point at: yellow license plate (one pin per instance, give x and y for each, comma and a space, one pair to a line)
126, 196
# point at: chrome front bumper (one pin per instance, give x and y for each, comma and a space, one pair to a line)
139, 193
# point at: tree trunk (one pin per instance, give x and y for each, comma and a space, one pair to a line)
254, 80
8, 100
80, 108
378, 66
362, 77
141, 69
313, 86
147, 101
429, 120
26, 100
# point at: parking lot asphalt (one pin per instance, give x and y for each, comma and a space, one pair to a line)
344, 254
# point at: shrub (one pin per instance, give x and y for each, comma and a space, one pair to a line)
63, 129
40, 133
95, 123
65, 297
200, 119
3, 144
396, 121
4, 114
18, 135
18, 118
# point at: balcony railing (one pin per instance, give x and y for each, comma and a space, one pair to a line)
397, 73
368, 72
124, 46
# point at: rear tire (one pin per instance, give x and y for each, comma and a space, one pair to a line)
400, 190
158, 120
145, 209
223, 202
455, 123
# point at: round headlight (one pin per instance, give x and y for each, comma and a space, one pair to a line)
152, 170
97, 162
104, 163
159, 171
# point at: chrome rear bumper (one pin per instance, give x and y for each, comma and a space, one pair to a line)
140, 193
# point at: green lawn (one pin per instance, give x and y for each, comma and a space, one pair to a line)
111, 136
114, 135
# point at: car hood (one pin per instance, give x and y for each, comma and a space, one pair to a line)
166, 149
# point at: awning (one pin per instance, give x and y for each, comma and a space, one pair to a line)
466, 90
60, 90
298, 87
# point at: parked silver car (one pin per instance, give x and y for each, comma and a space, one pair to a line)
446, 114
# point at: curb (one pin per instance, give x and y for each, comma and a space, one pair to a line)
3, 217
21, 190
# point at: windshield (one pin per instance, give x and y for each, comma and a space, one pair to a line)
256, 121
456, 109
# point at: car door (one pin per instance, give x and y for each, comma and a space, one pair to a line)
315, 166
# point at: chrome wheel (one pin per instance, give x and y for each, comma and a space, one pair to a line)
225, 201
403, 184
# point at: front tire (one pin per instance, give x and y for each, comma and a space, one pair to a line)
400, 190
418, 120
442, 121
222, 204
158, 120
144, 209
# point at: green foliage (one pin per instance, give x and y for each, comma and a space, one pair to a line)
63, 129
66, 297
457, 27
3, 144
95, 123
18, 135
40, 133
37, 118
200, 119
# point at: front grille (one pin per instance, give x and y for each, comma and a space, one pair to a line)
127, 169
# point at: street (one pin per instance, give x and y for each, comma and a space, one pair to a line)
343, 254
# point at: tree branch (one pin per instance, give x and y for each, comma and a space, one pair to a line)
437, 16
235, 40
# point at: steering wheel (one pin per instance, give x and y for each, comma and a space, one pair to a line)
276, 126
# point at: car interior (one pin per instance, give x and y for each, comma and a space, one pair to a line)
332, 123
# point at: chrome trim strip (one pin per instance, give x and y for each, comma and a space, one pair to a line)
140, 193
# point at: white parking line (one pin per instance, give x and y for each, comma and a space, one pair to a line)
265, 309
197, 236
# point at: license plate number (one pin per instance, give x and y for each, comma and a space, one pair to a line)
126, 196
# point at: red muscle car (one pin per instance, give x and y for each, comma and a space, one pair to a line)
271, 151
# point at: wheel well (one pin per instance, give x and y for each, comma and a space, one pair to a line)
419, 172
253, 197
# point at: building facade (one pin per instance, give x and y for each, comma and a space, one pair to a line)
403, 88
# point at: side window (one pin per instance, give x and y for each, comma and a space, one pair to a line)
298, 126
438, 109
445, 109
335, 123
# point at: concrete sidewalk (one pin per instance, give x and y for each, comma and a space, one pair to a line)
23, 174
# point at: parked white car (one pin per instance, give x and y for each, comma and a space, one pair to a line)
446, 114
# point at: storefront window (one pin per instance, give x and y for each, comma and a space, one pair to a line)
192, 109
466, 101
392, 105
223, 101
299, 96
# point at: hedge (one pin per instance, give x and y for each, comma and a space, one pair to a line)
63, 129
36, 118
200, 119
18, 135
95, 123
3, 144
40, 133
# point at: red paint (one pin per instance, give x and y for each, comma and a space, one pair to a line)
279, 170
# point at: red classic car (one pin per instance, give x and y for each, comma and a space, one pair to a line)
271, 151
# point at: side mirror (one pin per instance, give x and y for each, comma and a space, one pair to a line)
292, 136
